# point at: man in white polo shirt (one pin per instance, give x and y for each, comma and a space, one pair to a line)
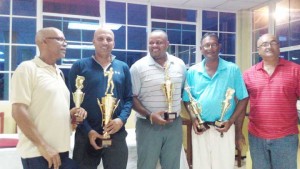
40, 106
157, 138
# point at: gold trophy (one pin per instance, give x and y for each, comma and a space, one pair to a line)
225, 105
108, 105
195, 108
168, 88
78, 97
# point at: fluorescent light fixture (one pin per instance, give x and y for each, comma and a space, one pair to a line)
1, 53
2, 60
91, 26
81, 47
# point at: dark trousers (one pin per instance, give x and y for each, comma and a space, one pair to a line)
114, 157
41, 163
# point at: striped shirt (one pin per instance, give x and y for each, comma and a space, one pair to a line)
148, 77
273, 112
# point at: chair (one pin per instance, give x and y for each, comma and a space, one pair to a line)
189, 155
1, 122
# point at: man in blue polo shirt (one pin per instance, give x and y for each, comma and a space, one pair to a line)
209, 82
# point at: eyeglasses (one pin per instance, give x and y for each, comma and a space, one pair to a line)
267, 44
58, 39
208, 46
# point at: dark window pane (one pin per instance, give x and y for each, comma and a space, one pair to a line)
75, 7
174, 36
20, 54
137, 38
173, 14
4, 30
228, 58
132, 57
227, 22
4, 57
189, 37
120, 55
282, 32
158, 12
295, 33
210, 20
24, 7
173, 26
115, 12
294, 56
79, 30
4, 86
24, 30
88, 53
137, 14
228, 43
120, 38
159, 25
189, 27
5, 7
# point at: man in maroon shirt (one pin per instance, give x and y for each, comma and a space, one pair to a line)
274, 87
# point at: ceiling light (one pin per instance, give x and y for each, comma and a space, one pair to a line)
91, 26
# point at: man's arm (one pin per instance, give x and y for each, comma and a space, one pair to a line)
239, 137
21, 115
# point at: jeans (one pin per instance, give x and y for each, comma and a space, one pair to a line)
41, 163
274, 153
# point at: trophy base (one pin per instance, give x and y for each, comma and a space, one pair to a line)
219, 124
104, 142
202, 127
170, 116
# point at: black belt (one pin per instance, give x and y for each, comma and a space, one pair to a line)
211, 123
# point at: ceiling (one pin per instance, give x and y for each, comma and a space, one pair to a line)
223, 5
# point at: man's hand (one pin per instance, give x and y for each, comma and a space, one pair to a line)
195, 127
113, 126
93, 135
51, 155
78, 115
227, 125
239, 140
157, 118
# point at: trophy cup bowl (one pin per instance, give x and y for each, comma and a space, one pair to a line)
225, 106
108, 105
168, 89
78, 97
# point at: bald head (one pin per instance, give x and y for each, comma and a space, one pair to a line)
103, 30
45, 32
159, 33
266, 37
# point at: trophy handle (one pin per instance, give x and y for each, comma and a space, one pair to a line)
116, 105
100, 105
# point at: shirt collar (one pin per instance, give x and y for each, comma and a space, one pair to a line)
152, 62
259, 66
201, 66
40, 63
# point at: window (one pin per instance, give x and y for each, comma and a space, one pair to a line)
224, 25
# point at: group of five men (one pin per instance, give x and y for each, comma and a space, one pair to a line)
41, 103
